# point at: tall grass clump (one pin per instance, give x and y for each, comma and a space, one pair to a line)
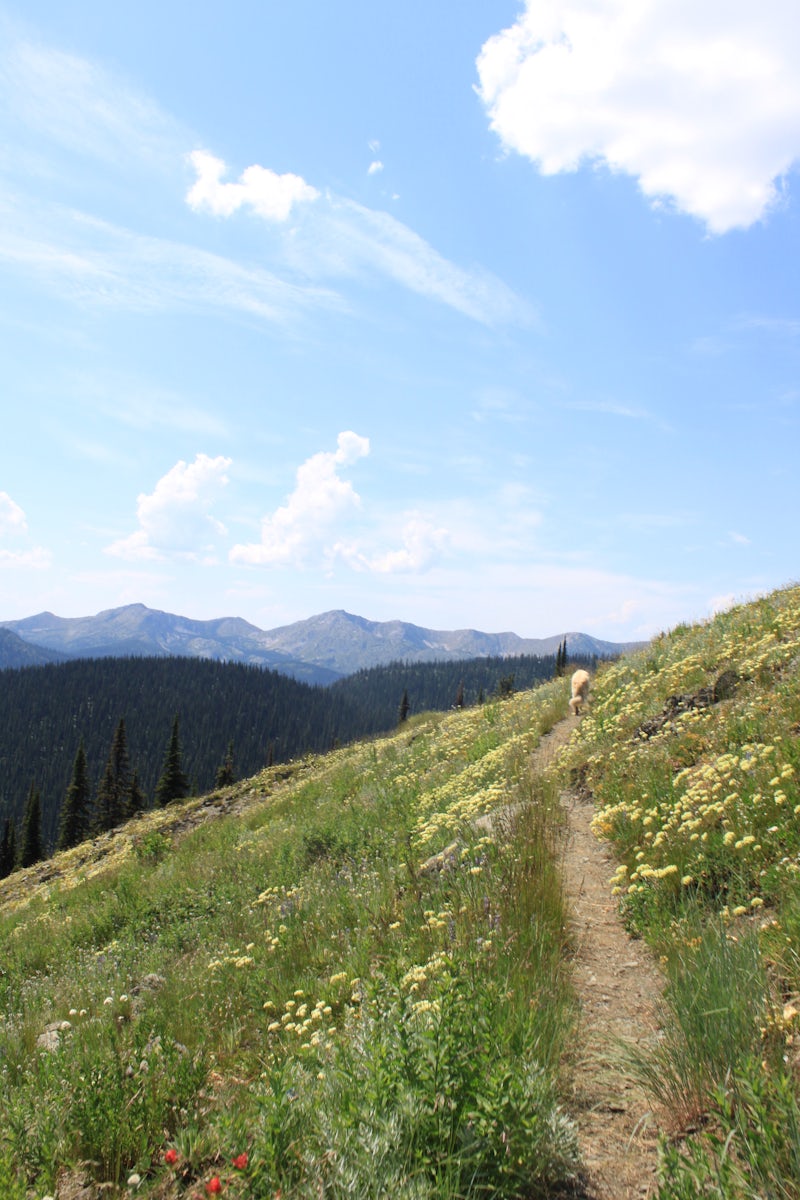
692, 755
353, 988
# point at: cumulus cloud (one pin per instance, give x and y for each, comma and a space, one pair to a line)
320, 499
423, 544
375, 167
13, 524
270, 196
699, 102
174, 519
12, 518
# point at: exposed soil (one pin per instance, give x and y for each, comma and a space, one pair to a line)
618, 984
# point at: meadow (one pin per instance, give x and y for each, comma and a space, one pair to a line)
347, 987
691, 752
303, 1000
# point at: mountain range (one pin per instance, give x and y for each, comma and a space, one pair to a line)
319, 649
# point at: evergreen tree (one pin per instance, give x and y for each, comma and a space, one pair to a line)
8, 848
114, 802
31, 847
136, 797
74, 822
460, 694
173, 784
505, 686
225, 773
404, 709
106, 804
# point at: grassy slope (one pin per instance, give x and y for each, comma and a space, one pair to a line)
290, 985
701, 802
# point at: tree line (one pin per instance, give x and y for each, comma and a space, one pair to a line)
88, 743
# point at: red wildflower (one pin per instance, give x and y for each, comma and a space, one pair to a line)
170, 1157
214, 1186
240, 1162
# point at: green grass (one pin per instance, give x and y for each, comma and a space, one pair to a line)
293, 986
702, 806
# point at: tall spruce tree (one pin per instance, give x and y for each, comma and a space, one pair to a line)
75, 819
137, 801
31, 846
405, 707
226, 774
173, 784
8, 848
113, 801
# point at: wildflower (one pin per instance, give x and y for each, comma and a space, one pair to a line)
214, 1186
240, 1162
134, 1180
170, 1157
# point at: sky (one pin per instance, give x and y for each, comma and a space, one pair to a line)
468, 313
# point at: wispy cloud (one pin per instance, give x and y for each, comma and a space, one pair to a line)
336, 238
75, 103
700, 103
175, 518
92, 261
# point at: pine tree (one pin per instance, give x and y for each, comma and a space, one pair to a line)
460, 695
404, 709
8, 848
31, 847
74, 821
173, 784
136, 797
114, 802
106, 803
225, 773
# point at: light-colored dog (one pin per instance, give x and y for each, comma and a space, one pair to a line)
580, 690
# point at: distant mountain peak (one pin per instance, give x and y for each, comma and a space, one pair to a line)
317, 649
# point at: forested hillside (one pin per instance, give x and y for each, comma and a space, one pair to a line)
47, 711
442, 685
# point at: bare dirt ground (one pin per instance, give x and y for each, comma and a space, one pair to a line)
618, 984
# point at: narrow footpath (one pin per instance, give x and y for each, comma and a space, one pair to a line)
618, 985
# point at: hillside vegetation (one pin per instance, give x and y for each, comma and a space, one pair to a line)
295, 990
347, 988
692, 754
46, 711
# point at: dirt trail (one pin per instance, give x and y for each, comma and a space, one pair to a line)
618, 985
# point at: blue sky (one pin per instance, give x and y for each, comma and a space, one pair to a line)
468, 314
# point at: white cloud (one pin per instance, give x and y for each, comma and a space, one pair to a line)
699, 102
270, 196
320, 498
12, 518
174, 519
76, 103
38, 559
375, 167
340, 238
92, 261
423, 544
349, 239
13, 524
